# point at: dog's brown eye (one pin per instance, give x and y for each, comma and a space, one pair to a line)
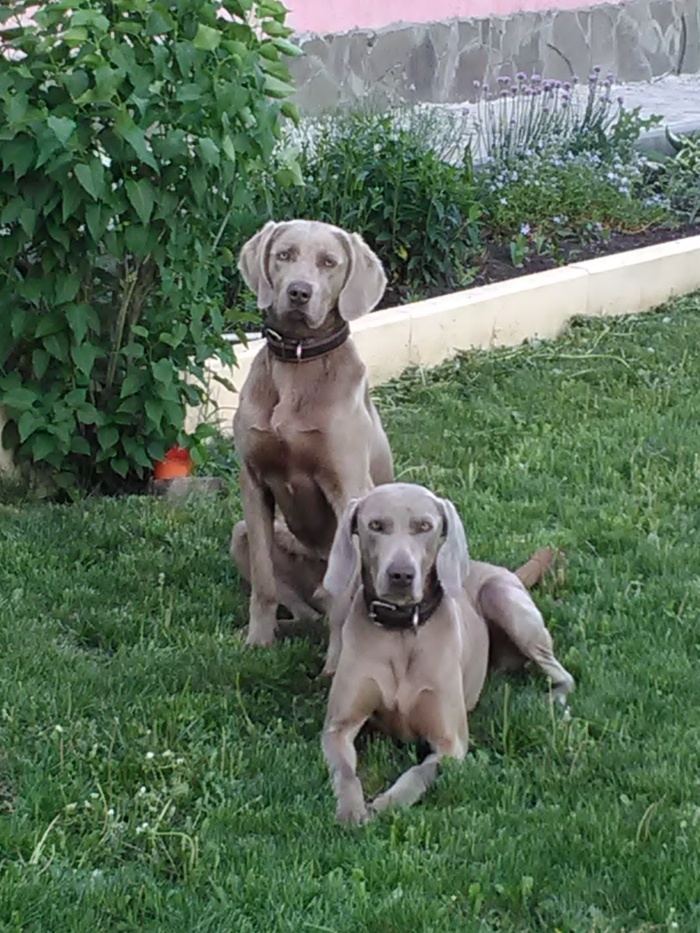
376, 525
329, 262
283, 255
425, 526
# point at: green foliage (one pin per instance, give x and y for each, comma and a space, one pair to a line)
554, 198
129, 132
678, 179
386, 177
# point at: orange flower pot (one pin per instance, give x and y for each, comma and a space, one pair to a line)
177, 463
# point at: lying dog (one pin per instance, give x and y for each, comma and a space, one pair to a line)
307, 433
415, 643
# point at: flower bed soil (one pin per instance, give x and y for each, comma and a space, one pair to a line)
496, 265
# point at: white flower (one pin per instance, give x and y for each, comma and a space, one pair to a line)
150, 756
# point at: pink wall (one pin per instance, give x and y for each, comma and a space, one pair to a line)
342, 15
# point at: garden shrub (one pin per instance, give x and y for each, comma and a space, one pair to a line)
129, 134
554, 197
387, 177
560, 164
677, 180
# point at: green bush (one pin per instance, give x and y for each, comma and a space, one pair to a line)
386, 177
566, 196
678, 178
129, 134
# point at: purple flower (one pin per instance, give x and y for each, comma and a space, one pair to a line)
566, 86
596, 70
525, 229
504, 92
574, 80
536, 79
477, 84
610, 77
620, 100
514, 90
521, 76
504, 79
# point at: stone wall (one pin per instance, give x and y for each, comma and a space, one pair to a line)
439, 62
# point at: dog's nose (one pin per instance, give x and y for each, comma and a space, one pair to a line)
401, 575
299, 293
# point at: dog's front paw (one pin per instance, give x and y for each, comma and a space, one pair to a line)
380, 803
259, 639
352, 814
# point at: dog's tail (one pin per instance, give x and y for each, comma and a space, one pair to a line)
534, 570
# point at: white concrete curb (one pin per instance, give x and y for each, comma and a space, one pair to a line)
504, 314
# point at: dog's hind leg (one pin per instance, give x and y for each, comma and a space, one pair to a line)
507, 605
297, 574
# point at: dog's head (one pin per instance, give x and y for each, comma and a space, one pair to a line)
405, 533
302, 270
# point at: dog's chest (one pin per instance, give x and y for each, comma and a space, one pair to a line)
405, 689
279, 445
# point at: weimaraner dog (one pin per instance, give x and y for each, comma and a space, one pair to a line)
417, 637
307, 433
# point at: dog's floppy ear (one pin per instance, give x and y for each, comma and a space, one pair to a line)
452, 563
366, 281
343, 559
252, 264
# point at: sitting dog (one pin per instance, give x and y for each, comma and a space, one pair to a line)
416, 639
306, 431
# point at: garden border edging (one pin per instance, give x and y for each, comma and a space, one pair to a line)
540, 305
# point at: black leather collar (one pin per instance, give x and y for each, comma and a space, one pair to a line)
389, 615
300, 349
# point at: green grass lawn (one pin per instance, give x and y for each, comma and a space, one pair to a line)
156, 775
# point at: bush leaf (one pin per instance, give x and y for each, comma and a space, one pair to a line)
140, 193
